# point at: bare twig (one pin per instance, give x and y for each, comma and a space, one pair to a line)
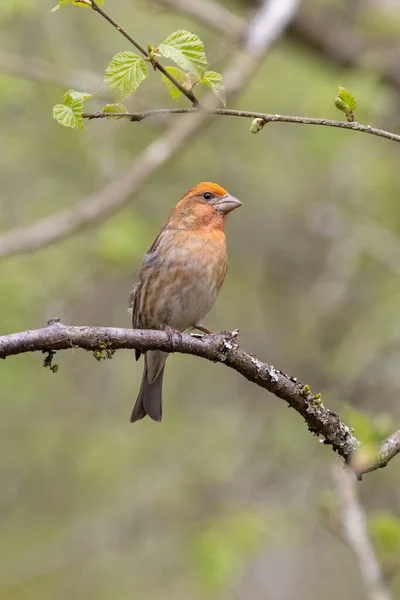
388, 450
102, 204
217, 348
265, 117
156, 64
356, 532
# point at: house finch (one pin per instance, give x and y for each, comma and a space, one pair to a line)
179, 280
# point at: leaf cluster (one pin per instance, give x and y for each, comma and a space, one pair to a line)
127, 70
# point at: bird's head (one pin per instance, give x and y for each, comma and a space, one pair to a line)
205, 204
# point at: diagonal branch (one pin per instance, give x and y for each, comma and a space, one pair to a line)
156, 64
115, 195
264, 118
388, 450
217, 348
221, 348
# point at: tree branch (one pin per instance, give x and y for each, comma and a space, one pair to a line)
156, 64
217, 348
221, 348
265, 117
115, 195
388, 450
356, 532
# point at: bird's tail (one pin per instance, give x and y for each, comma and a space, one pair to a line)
149, 400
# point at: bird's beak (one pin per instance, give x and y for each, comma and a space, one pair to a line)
227, 203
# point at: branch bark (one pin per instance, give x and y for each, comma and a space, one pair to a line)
220, 348
217, 348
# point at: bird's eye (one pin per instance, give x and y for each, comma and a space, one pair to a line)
207, 195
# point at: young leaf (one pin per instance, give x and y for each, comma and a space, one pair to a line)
69, 116
69, 113
186, 50
346, 102
180, 76
215, 81
114, 108
74, 95
126, 72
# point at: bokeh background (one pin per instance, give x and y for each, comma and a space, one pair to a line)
231, 497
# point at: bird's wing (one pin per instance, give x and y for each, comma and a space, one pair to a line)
149, 259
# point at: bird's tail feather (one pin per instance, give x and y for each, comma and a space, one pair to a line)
149, 400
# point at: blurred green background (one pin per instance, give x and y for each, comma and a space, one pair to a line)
231, 497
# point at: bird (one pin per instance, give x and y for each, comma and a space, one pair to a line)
179, 280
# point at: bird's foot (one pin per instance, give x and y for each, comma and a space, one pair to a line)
203, 329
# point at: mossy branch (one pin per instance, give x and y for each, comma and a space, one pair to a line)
221, 348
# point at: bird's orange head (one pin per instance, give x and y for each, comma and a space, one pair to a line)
205, 204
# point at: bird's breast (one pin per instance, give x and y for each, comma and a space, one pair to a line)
185, 280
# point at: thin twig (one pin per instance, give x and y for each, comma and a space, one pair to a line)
266, 117
156, 64
100, 205
388, 450
356, 531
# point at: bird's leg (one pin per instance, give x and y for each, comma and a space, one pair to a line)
203, 329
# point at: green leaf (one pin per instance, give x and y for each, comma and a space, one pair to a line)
114, 108
74, 95
186, 50
180, 76
69, 113
126, 72
346, 102
82, 3
69, 116
215, 81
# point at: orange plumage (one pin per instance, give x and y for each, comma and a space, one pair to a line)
179, 280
